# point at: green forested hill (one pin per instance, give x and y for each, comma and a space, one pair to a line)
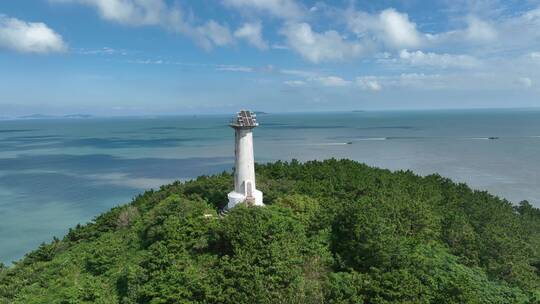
333, 232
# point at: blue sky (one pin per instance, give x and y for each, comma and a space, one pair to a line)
133, 57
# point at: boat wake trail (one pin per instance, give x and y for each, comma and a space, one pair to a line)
373, 138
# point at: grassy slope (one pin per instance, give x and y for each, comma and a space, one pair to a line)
334, 232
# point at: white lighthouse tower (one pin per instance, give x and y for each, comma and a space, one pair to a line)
244, 170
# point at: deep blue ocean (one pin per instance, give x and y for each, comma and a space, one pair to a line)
56, 173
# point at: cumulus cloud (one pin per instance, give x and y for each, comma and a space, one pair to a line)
324, 81
533, 15
368, 83
419, 58
300, 73
215, 33
417, 81
479, 30
29, 37
423, 81
517, 32
332, 81
525, 81
130, 12
455, 81
295, 83
102, 51
535, 56
394, 30
286, 9
315, 79
278, 46
234, 68
159, 13
252, 33
319, 47
398, 30
476, 32
391, 27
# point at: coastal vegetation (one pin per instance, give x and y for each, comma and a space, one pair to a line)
333, 231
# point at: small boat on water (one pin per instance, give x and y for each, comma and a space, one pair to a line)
494, 137
349, 143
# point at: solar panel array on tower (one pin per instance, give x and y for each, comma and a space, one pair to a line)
246, 119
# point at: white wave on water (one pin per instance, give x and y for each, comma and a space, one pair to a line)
329, 144
320, 144
348, 143
373, 138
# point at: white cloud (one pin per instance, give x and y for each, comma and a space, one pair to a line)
101, 51
391, 27
277, 46
300, 73
525, 81
159, 13
476, 32
518, 32
130, 12
418, 76
213, 32
535, 55
419, 58
533, 15
145, 61
455, 81
368, 83
252, 33
394, 30
318, 80
332, 81
234, 68
286, 9
418, 81
479, 30
318, 47
29, 37
295, 83
398, 30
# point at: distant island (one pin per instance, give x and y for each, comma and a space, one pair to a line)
333, 231
45, 116
36, 116
78, 116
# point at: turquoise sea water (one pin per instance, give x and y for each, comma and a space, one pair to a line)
57, 173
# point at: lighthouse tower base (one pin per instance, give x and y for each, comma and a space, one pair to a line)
236, 198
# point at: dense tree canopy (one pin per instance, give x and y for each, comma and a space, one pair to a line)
333, 232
